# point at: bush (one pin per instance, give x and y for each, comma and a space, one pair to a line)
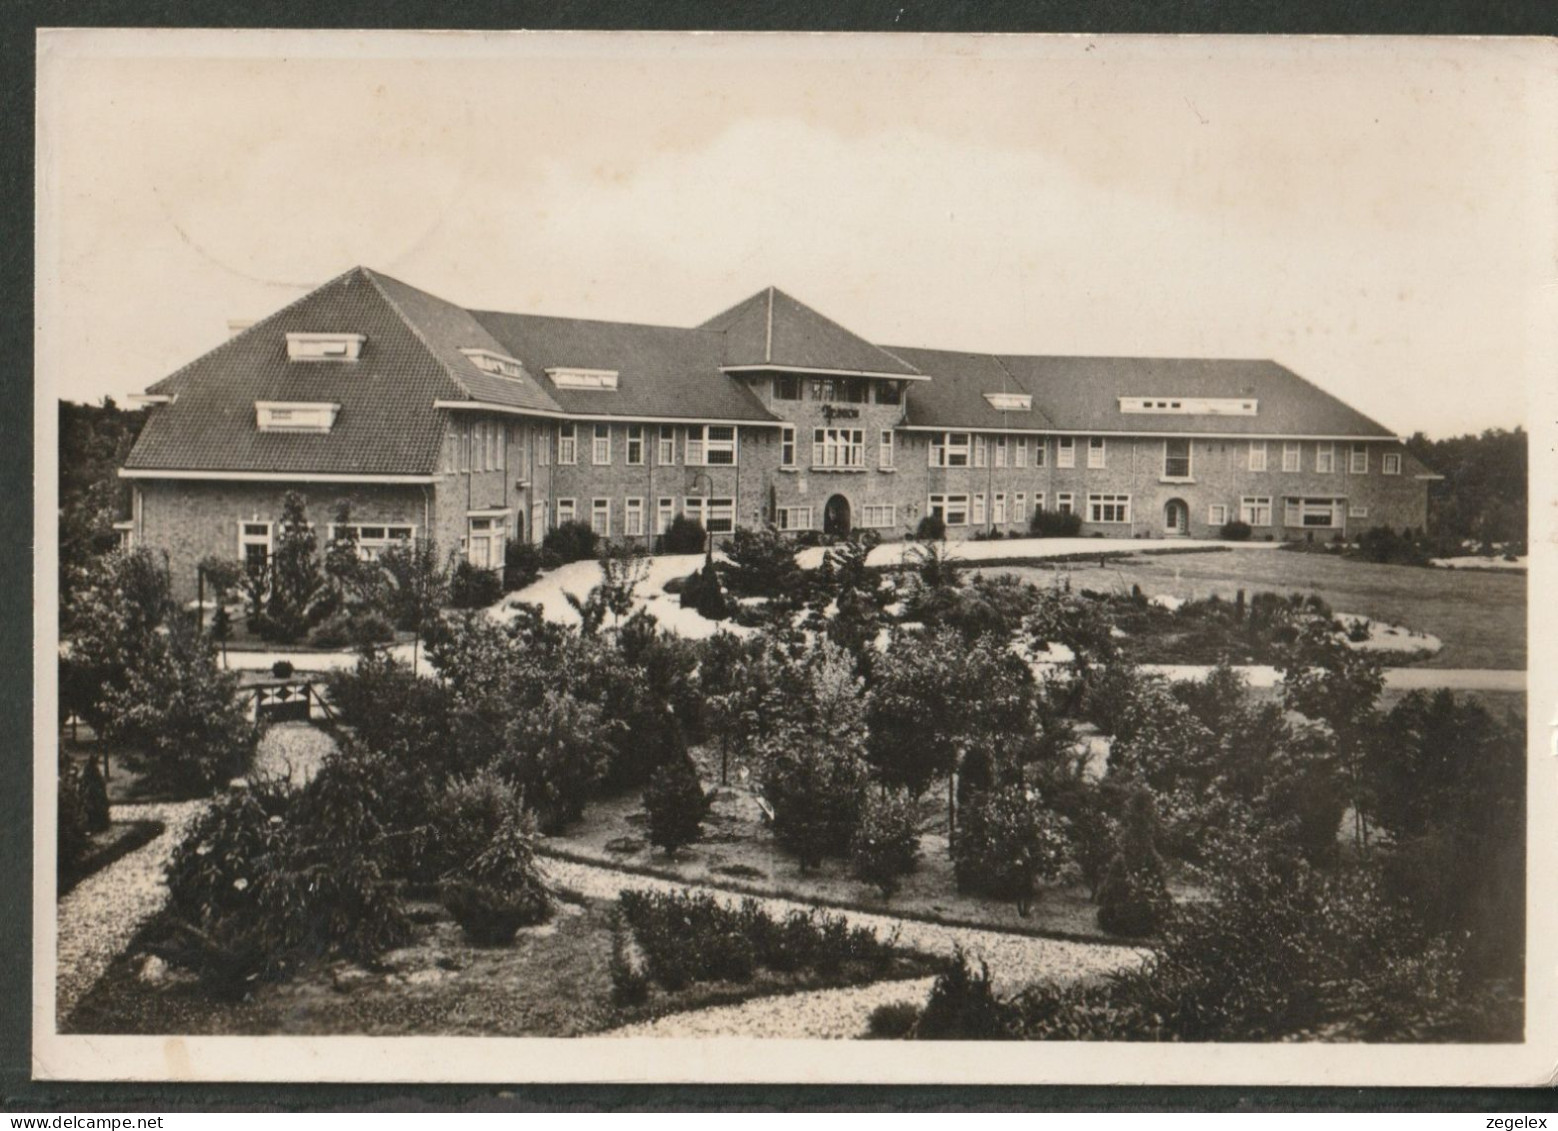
465, 819
1236, 530
684, 536
522, 564
894, 1021
676, 805
1133, 898
932, 528
571, 542
94, 797
816, 791
630, 981
1054, 524
702, 592
1006, 843
886, 846
962, 1005
501, 890
473, 588
762, 564
73, 832
352, 629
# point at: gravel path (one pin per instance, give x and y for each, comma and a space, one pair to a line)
100, 915
819, 1015
1015, 960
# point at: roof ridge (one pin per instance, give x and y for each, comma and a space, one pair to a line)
768, 344
416, 331
255, 325
480, 314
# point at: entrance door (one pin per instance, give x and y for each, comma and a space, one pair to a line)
835, 517
1176, 517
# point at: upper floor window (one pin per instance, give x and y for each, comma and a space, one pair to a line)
1000, 451
1096, 452
1066, 452
1020, 454
787, 387
980, 457
949, 449
1257, 455
884, 451
1390, 463
711, 445
600, 450
1291, 455
1359, 463
635, 444
1040, 452
666, 455
295, 416
1325, 457
889, 392
787, 446
1176, 459
324, 346
567, 443
838, 447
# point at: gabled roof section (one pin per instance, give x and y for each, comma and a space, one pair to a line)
773, 329
385, 426
954, 397
662, 371
1082, 394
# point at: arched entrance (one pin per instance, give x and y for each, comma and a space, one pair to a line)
1176, 517
835, 517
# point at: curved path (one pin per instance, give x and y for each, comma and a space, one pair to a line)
828, 1015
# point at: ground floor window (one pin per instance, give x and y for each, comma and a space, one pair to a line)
484, 542
951, 509
877, 516
979, 510
1020, 507
1322, 513
718, 516
373, 538
1217, 514
565, 511
998, 509
633, 517
1255, 510
537, 522
1109, 508
794, 518
600, 517
1355, 511
1065, 502
665, 511
254, 545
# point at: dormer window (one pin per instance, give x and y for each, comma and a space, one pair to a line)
1010, 402
295, 416
583, 378
499, 365
1191, 406
324, 346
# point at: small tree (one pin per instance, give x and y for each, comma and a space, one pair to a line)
297, 585
1007, 843
886, 846
816, 793
418, 587
1133, 898
684, 536
676, 804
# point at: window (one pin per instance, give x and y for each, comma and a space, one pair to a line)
500, 445
1038, 500
1359, 463
1040, 452
543, 447
479, 446
849, 390
1390, 463
884, 450
451, 452
878, 516
787, 446
998, 509
373, 538
567, 443
1290, 455
717, 515
295, 416
1108, 508
1217, 514
838, 447
787, 387
1065, 502
324, 347
1021, 454
484, 542
1255, 510
583, 378
1010, 402
565, 511
951, 509
600, 450
633, 517
980, 456
1095, 452
1257, 455
1210, 406
794, 518
1067, 453
1000, 451
1355, 511
1176, 459
710, 445
1325, 457
1020, 507
463, 440
538, 522
979, 510
254, 546
635, 445
499, 365
949, 449
600, 517
665, 511
889, 392
666, 456
1312, 512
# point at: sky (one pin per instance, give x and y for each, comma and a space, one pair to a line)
1377, 215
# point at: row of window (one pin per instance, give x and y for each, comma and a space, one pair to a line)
1256, 510
845, 390
965, 449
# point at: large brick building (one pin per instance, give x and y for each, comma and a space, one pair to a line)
474, 428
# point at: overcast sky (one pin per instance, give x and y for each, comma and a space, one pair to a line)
1377, 216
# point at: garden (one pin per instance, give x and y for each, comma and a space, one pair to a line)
930, 746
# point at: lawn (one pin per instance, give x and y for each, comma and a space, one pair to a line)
1480, 616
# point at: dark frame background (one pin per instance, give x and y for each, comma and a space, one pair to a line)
19, 21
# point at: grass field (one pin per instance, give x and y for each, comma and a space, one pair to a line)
1480, 616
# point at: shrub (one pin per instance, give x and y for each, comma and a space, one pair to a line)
473, 588
962, 1005
762, 564
1055, 524
299, 596
418, 583
932, 528
893, 1021
816, 791
466, 817
676, 805
630, 981
1133, 898
352, 629
1006, 843
500, 890
886, 845
684, 536
703, 593
522, 564
73, 832
1236, 530
571, 541
94, 797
